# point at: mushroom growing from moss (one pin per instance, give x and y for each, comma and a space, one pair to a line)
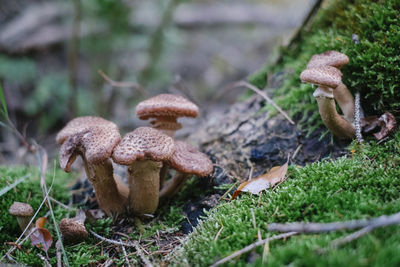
341, 93
94, 138
187, 161
143, 150
328, 78
73, 229
23, 212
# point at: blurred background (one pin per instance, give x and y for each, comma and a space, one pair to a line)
62, 59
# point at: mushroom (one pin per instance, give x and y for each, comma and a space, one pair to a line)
187, 160
342, 95
328, 78
73, 229
143, 150
23, 212
94, 138
165, 109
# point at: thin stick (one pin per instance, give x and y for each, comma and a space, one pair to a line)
296, 151
111, 241
46, 262
347, 239
146, 262
121, 84
125, 255
58, 253
251, 247
61, 204
264, 95
13, 185
335, 226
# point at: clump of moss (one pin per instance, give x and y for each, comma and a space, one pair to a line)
374, 65
364, 184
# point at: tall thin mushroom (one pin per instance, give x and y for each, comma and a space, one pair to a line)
143, 151
328, 78
94, 138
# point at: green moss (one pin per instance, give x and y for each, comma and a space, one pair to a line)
364, 184
374, 65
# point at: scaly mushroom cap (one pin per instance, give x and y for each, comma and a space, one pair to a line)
166, 105
189, 160
144, 143
93, 136
326, 76
329, 58
73, 231
21, 209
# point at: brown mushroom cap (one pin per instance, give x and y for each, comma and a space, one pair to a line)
73, 231
21, 209
324, 76
329, 58
93, 136
189, 160
143, 143
166, 105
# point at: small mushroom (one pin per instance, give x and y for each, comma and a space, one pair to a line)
186, 160
23, 212
73, 229
342, 95
328, 78
93, 138
165, 109
143, 150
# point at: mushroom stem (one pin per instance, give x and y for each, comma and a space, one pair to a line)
345, 101
173, 186
23, 223
144, 186
166, 124
163, 174
337, 124
101, 177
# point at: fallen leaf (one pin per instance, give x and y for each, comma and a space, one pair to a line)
40, 236
95, 214
273, 177
387, 123
40, 222
381, 127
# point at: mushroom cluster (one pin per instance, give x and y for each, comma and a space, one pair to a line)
324, 71
147, 152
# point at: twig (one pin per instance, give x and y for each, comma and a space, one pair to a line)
219, 231
252, 246
296, 151
58, 247
265, 96
146, 262
66, 263
335, 226
347, 239
11, 186
357, 118
61, 204
125, 255
111, 241
46, 262
121, 84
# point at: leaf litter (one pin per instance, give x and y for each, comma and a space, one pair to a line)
274, 176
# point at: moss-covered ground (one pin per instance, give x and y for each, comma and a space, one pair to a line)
153, 234
364, 184
374, 65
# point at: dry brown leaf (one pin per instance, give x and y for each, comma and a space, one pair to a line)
41, 237
273, 177
380, 127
